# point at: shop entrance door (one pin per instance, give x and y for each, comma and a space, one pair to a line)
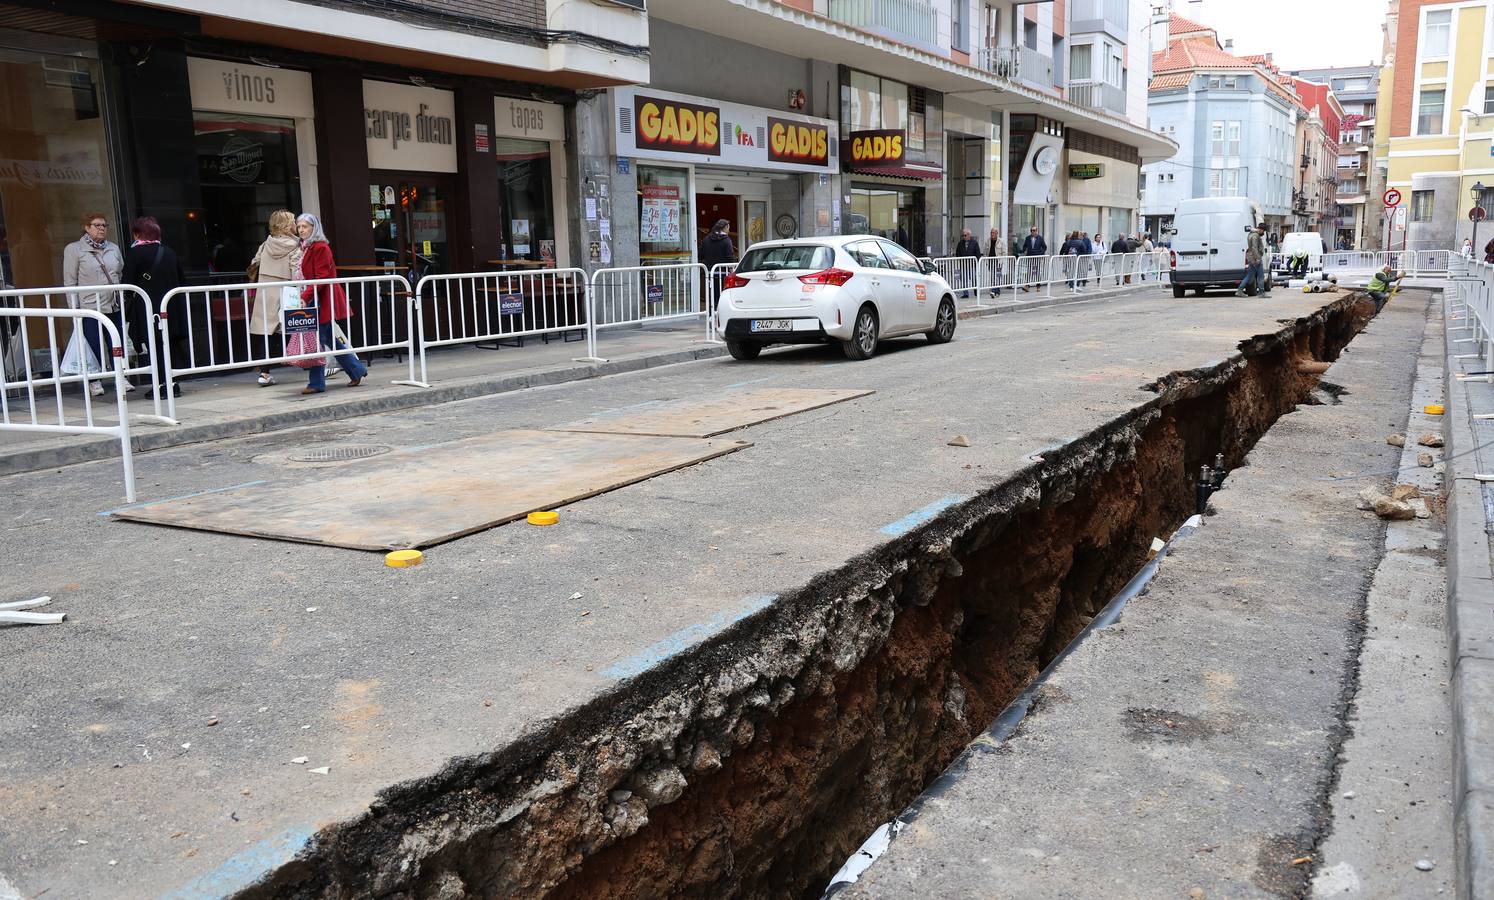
711, 207
411, 222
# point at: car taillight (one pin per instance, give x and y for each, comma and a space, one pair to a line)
1172, 256
836, 277
733, 281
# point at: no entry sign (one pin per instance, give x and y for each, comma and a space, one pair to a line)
1392, 197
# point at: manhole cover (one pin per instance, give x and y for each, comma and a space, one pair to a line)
338, 454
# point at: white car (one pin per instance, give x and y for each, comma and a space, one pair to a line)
856, 289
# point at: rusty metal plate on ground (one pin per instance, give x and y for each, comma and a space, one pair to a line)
420, 498
708, 418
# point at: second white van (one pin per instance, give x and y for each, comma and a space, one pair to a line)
1208, 243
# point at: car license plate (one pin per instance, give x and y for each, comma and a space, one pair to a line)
771, 325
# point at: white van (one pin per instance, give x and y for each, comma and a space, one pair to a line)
1309, 242
1208, 243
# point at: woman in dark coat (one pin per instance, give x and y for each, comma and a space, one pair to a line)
156, 269
717, 248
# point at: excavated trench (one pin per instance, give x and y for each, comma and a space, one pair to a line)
754, 765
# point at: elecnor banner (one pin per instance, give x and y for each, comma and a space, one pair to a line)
651, 124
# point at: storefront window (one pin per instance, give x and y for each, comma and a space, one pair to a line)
663, 204
882, 210
53, 163
247, 167
865, 95
526, 196
409, 223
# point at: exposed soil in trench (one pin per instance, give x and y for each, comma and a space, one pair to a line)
756, 772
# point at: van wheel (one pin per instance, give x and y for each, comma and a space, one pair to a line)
743, 349
863, 342
1178, 290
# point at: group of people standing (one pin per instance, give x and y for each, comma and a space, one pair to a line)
296, 249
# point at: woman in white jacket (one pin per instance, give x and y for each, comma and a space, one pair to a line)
94, 259
277, 259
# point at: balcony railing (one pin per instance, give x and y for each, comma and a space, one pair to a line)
907, 20
1098, 95
1018, 64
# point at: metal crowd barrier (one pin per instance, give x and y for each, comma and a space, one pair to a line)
1475, 310
968, 275
218, 319
25, 413
133, 306
634, 295
476, 308
717, 279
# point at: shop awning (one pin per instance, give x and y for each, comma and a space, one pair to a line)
909, 171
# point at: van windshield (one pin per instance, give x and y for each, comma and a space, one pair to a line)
794, 256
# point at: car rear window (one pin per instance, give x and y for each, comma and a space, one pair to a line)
796, 256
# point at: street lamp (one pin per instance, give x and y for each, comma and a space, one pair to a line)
1478, 196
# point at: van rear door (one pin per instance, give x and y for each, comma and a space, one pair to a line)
1192, 244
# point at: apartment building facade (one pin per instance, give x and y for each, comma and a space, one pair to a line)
1235, 120
432, 136
1437, 112
1359, 183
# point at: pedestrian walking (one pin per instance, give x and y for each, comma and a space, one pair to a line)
1071, 250
1032, 246
1101, 250
1255, 251
1119, 249
968, 250
94, 259
277, 259
717, 249
156, 269
996, 252
1087, 250
331, 304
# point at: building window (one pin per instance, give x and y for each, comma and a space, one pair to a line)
1429, 117
1421, 206
1232, 148
1488, 99
957, 24
1113, 66
1216, 138
1079, 62
1486, 200
1438, 32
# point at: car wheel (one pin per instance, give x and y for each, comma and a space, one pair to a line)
1178, 290
743, 349
863, 342
944, 323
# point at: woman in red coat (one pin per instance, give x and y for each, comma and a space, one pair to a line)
330, 300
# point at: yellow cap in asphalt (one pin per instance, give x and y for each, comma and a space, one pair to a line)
403, 559
548, 517
1434, 409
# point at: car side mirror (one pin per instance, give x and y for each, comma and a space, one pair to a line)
927, 267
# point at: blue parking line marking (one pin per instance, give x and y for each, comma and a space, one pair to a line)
231, 487
913, 519
245, 868
685, 638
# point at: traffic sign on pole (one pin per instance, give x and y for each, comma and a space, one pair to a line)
1392, 197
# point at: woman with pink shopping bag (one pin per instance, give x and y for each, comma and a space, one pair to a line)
331, 303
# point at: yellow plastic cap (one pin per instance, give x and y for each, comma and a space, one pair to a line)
403, 559
548, 517
1434, 409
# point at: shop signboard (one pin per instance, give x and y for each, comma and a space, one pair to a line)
219, 86
653, 124
529, 119
409, 128
875, 149
659, 215
1086, 170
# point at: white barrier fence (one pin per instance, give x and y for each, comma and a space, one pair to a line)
719, 273
226, 327
1415, 263
1472, 307
491, 307
31, 411
635, 295
972, 276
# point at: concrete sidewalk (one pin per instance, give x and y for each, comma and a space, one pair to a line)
233, 404
1190, 750
1470, 608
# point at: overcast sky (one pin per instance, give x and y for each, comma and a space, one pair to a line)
1302, 34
